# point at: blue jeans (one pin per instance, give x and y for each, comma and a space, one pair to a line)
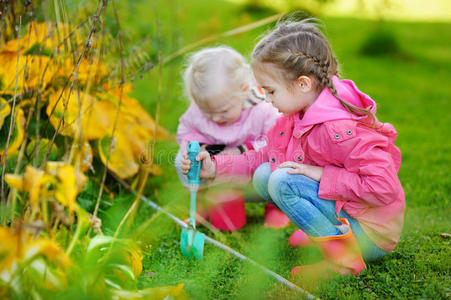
297, 196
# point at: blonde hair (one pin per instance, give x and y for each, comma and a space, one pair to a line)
216, 72
298, 48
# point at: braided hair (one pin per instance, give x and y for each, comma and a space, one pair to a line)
299, 48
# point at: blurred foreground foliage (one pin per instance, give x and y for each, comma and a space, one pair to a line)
66, 119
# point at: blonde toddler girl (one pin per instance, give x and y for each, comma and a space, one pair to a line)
227, 114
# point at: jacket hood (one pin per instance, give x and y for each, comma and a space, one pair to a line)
328, 108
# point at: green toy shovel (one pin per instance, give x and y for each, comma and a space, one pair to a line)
192, 241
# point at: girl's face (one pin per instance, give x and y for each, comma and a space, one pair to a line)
288, 101
222, 111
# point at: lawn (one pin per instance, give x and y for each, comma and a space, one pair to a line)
413, 93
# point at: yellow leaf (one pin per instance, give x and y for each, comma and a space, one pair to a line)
8, 61
33, 180
31, 72
43, 34
59, 180
20, 249
66, 191
89, 70
17, 134
158, 293
5, 110
94, 117
15, 181
135, 258
10, 252
69, 183
39, 70
153, 169
120, 156
133, 109
137, 127
138, 138
83, 157
50, 249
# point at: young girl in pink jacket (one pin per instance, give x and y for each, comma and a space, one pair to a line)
227, 115
329, 165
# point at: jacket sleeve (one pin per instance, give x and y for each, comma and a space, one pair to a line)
239, 167
363, 168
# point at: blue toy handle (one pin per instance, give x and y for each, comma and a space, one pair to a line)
192, 241
193, 174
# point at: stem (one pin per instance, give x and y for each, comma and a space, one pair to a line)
52, 56
133, 208
45, 212
54, 227
36, 140
121, 88
13, 200
13, 118
214, 37
13, 192
99, 10
160, 84
143, 180
75, 237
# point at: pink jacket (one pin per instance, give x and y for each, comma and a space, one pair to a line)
360, 163
249, 129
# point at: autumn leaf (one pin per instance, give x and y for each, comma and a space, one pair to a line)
19, 250
17, 134
31, 72
58, 180
5, 110
94, 117
68, 183
119, 155
159, 293
83, 157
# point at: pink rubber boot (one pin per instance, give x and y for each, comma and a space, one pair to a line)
299, 239
275, 218
227, 211
341, 254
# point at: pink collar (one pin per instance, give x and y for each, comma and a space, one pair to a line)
328, 108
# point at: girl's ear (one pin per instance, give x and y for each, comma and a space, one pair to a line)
305, 83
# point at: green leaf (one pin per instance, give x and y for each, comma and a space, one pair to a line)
38, 49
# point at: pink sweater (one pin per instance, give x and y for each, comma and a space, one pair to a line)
249, 129
360, 163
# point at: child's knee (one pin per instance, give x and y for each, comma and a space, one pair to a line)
277, 182
282, 183
260, 180
261, 175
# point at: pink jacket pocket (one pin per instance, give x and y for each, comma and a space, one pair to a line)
342, 130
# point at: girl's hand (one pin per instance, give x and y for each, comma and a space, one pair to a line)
313, 172
207, 169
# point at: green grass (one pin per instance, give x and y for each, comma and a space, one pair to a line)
413, 92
